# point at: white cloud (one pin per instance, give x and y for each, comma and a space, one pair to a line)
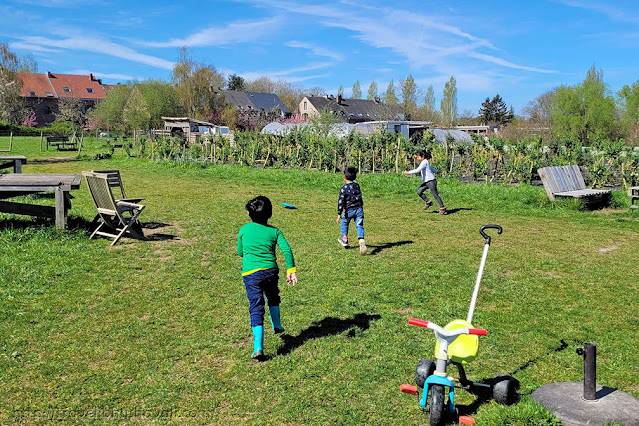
317, 50
291, 75
110, 76
614, 13
235, 32
98, 45
31, 47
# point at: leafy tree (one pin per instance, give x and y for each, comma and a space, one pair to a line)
448, 104
27, 64
410, 91
70, 110
495, 112
108, 114
136, 111
161, 100
357, 91
372, 90
585, 112
10, 85
390, 97
629, 106
197, 85
289, 95
235, 82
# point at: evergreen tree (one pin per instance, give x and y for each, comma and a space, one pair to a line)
495, 112
235, 82
372, 90
357, 91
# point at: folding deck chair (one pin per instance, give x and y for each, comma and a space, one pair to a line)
118, 217
115, 181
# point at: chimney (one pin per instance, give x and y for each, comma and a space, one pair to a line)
339, 99
49, 75
377, 99
91, 77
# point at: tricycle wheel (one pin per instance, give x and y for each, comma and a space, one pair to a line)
504, 389
425, 368
436, 410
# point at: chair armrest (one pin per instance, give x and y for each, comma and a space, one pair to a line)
129, 205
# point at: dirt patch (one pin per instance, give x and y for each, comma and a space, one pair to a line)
405, 311
607, 249
549, 273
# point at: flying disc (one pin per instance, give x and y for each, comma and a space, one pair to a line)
289, 206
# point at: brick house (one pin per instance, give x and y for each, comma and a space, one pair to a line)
351, 110
42, 92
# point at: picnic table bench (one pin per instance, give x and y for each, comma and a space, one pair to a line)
61, 142
16, 161
567, 181
633, 193
17, 184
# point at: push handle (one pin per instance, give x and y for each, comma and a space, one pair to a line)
418, 322
478, 331
486, 236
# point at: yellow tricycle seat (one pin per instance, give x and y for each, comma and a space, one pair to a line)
464, 349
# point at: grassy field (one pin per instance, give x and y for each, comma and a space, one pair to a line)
30, 147
157, 331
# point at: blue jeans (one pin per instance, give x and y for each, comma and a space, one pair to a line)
259, 285
358, 216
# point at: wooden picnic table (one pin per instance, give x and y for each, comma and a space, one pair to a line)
14, 185
16, 161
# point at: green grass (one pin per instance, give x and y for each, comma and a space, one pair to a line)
158, 330
30, 147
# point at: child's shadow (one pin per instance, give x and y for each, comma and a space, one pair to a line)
452, 211
329, 326
377, 248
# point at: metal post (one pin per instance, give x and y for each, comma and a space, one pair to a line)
590, 371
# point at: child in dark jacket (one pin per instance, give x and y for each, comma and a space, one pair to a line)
350, 206
256, 245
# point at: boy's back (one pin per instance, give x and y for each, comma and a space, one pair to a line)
256, 245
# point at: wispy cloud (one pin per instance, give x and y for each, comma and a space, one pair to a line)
98, 45
432, 42
292, 75
31, 47
235, 32
316, 50
613, 11
110, 76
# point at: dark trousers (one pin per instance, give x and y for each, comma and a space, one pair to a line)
259, 285
432, 186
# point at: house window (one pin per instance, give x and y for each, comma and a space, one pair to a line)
46, 110
304, 105
32, 93
49, 94
66, 89
89, 90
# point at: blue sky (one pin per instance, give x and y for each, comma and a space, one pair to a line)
517, 49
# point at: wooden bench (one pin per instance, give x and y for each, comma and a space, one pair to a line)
567, 181
633, 193
61, 143
16, 161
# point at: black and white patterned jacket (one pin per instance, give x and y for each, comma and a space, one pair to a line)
350, 197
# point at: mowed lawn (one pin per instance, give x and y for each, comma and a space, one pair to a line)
157, 331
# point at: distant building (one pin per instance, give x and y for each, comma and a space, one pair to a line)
42, 92
351, 110
253, 101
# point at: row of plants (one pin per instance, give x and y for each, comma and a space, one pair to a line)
490, 160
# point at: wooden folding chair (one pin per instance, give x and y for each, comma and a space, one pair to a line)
118, 218
115, 181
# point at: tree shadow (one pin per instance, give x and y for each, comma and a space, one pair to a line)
378, 248
329, 326
74, 223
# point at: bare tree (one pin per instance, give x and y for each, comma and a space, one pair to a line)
10, 85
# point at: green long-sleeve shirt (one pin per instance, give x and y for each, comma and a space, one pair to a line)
256, 244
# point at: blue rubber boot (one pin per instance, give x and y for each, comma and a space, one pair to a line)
275, 319
258, 343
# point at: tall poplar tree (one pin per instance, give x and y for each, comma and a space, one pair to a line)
448, 104
372, 90
409, 91
357, 91
390, 98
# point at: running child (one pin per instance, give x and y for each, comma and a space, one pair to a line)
256, 245
350, 206
428, 180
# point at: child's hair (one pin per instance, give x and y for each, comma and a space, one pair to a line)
424, 153
260, 209
350, 173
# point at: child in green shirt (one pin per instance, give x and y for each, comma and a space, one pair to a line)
256, 245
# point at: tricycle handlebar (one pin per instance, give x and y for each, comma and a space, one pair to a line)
448, 333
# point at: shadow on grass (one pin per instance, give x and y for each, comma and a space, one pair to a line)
377, 248
329, 326
452, 211
484, 394
74, 223
156, 236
